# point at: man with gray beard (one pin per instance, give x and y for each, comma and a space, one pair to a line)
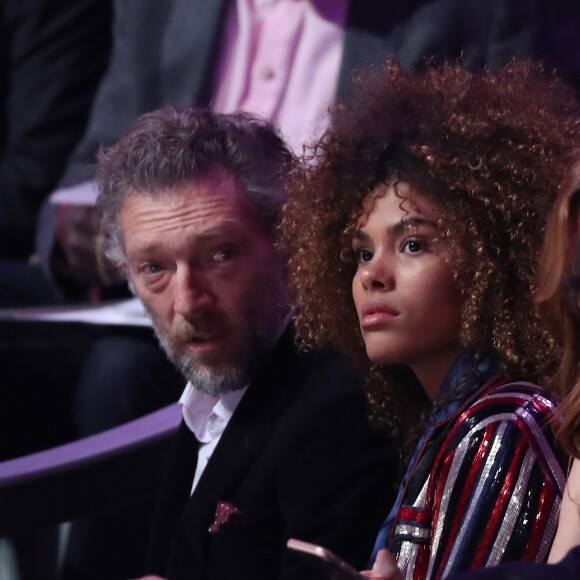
274, 443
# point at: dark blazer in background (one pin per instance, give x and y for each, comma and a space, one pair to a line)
52, 56
298, 459
165, 52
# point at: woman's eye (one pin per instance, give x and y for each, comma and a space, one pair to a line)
363, 256
413, 246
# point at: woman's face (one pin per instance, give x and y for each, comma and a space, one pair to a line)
405, 295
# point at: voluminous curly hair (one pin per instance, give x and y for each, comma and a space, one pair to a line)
488, 149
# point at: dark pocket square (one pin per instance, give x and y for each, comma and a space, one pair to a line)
227, 515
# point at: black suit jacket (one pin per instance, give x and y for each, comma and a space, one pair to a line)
52, 56
164, 52
298, 459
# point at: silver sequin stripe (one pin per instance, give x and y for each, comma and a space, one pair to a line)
409, 550
512, 510
530, 421
547, 451
483, 479
504, 394
414, 531
407, 558
550, 531
422, 497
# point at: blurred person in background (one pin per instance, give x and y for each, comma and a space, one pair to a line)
53, 54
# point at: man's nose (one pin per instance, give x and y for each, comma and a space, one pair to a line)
192, 291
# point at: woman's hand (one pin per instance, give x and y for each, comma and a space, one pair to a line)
384, 568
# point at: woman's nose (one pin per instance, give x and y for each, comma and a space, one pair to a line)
377, 274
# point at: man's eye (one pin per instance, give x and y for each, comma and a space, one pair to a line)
151, 268
226, 254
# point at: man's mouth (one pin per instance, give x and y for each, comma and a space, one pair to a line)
200, 342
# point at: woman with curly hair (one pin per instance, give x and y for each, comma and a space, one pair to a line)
413, 240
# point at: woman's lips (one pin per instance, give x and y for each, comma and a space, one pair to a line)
376, 314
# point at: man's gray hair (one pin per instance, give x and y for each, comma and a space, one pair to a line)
170, 147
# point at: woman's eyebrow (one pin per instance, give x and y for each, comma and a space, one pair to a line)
359, 235
407, 223
398, 228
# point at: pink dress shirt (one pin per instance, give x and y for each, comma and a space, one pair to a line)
280, 59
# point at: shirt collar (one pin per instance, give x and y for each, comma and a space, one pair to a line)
207, 416
463, 379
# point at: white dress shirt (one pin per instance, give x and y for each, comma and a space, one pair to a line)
207, 417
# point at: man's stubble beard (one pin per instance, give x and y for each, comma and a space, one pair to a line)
266, 316
206, 377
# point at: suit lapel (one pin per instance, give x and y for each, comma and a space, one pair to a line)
189, 50
173, 498
247, 432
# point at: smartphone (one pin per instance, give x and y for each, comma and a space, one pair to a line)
332, 565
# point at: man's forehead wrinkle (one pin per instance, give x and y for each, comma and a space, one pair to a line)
185, 216
166, 212
198, 233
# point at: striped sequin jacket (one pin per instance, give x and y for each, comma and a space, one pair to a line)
485, 487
